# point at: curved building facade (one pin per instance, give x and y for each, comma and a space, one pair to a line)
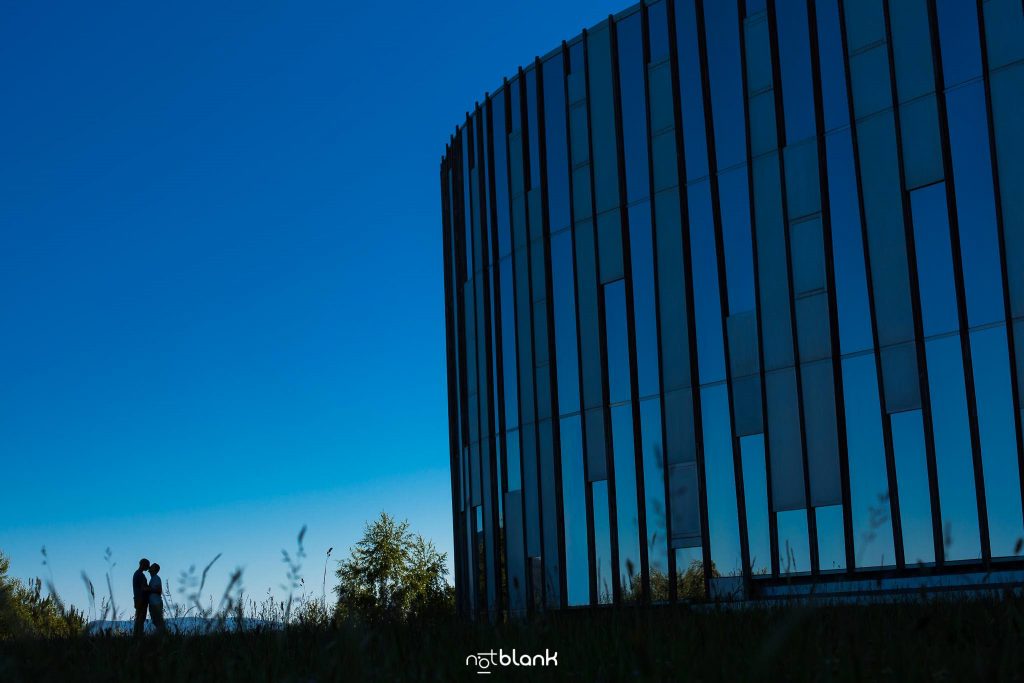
734, 297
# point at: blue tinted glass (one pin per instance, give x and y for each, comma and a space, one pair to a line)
847, 246
586, 278
831, 544
934, 259
723, 522
755, 494
514, 551
645, 320
912, 483
602, 541
833, 72
533, 127
524, 335
722, 25
602, 119
654, 492
959, 40
617, 339
549, 514
574, 509
564, 300
625, 499
531, 489
634, 111
990, 359
975, 203
794, 544
734, 200
869, 483
953, 449
690, 94
557, 159
512, 461
657, 22
508, 343
795, 65
707, 305
467, 193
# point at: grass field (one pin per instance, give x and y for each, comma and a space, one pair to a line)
920, 640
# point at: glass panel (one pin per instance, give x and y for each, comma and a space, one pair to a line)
1004, 22
617, 340
773, 275
721, 22
794, 546
672, 276
960, 40
515, 481
739, 264
831, 543
803, 193
657, 20
911, 47
634, 111
795, 66
602, 119
690, 93
865, 23
597, 464
555, 144
869, 79
953, 449
854, 310
820, 430
975, 203
922, 148
900, 378
869, 483
514, 542
626, 501
602, 541
549, 502
654, 497
532, 126
807, 245
707, 305
574, 508
531, 490
644, 313
912, 480
508, 343
784, 441
589, 333
755, 492
684, 506
564, 293
990, 359
609, 245
500, 140
833, 71
1007, 104
723, 522
934, 259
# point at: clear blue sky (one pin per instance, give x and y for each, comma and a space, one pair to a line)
221, 313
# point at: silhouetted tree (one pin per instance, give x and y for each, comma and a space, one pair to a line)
393, 575
24, 612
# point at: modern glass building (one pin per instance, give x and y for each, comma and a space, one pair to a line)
734, 296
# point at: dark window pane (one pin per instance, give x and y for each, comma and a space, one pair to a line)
721, 23
959, 39
500, 140
654, 494
555, 142
602, 541
602, 119
739, 264
723, 520
953, 449
854, 310
869, 484
975, 204
634, 111
514, 544
626, 500
990, 359
755, 492
795, 65
508, 337
833, 71
912, 480
532, 119
564, 293
657, 21
645, 318
617, 340
794, 548
691, 98
531, 489
574, 507
831, 544
707, 305
549, 510
934, 259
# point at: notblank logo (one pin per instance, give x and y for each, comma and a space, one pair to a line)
485, 661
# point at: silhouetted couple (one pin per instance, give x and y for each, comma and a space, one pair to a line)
149, 595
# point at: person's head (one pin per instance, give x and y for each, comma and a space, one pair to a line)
154, 569
143, 564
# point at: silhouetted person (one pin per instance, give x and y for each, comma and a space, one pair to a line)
140, 590
156, 598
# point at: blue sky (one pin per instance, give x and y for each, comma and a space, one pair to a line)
220, 264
